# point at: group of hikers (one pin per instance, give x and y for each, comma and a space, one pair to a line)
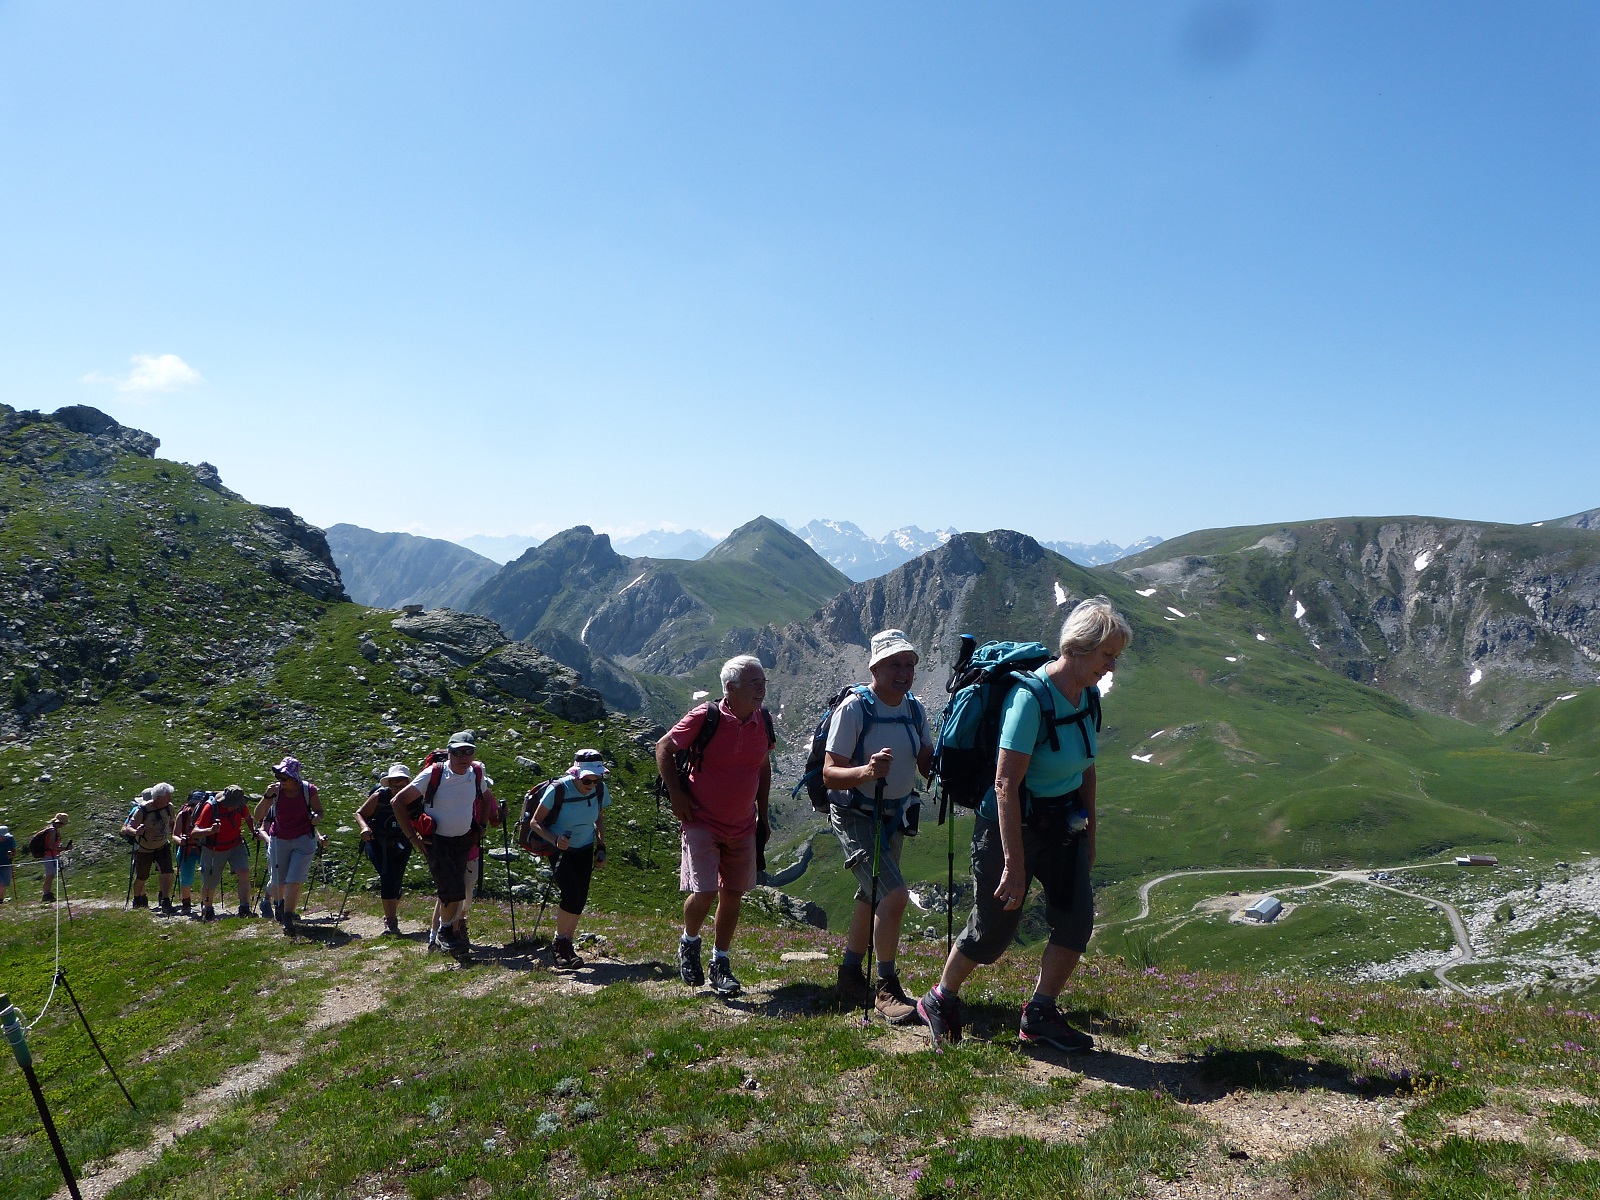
1035, 805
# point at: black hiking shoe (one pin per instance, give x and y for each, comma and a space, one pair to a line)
48, 898
563, 956
391, 927
208, 913
689, 962
265, 907
455, 945
852, 986
942, 1015
288, 923
722, 981
277, 911
186, 908
138, 901
246, 911
1042, 1023
165, 904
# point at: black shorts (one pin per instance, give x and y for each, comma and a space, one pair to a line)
447, 860
144, 859
390, 858
573, 871
1061, 865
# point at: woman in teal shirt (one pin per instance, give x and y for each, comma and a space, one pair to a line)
1039, 823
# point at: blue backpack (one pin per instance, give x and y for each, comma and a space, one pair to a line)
811, 780
968, 745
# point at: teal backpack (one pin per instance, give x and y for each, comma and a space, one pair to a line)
968, 744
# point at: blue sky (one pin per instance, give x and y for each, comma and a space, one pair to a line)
510, 267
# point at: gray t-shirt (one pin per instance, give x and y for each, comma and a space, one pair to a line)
891, 729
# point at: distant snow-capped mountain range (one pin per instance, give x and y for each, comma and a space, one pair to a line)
843, 543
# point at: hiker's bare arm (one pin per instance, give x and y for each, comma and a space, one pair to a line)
540, 816
838, 774
401, 803
925, 761
263, 804
681, 800
364, 814
1008, 775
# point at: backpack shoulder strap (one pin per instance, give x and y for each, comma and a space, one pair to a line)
708, 730
435, 774
772, 736
1041, 691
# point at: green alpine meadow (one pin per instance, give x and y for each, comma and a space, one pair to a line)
1329, 713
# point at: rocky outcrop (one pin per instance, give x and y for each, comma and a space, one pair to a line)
102, 440
299, 555
464, 638
784, 907
617, 687
522, 671
1583, 520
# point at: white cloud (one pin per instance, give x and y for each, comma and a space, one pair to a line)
151, 373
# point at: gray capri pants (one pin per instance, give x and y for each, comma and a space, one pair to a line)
1059, 861
853, 828
291, 858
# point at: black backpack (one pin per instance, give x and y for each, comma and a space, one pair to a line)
688, 760
811, 779
968, 745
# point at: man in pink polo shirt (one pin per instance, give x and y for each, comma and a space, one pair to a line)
718, 787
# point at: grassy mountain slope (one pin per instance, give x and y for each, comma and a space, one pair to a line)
390, 570
1473, 620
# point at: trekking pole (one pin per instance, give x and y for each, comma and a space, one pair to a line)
350, 883
61, 978
11, 1021
650, 857
872, 920
127, 900
544, 897
65, 899
505, 850
950, 878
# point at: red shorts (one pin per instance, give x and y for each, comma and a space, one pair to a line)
717, 864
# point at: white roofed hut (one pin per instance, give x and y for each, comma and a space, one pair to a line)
1265, 909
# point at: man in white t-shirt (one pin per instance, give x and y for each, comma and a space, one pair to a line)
456, 786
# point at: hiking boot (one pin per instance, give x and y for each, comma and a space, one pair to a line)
852, 986
208, 913
461, 932
455, 945
165, 906
391, 927
48, 898
246, 911
722, 981
265, 907
689, 962
942, 1015
186, 908
892, 1003
433, 941
288, 923
1043, 1023
277, 911
564, 956
138, 901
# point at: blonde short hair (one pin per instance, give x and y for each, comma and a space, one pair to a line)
1092, 624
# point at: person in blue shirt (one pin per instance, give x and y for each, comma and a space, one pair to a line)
1038, 823
571, 817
